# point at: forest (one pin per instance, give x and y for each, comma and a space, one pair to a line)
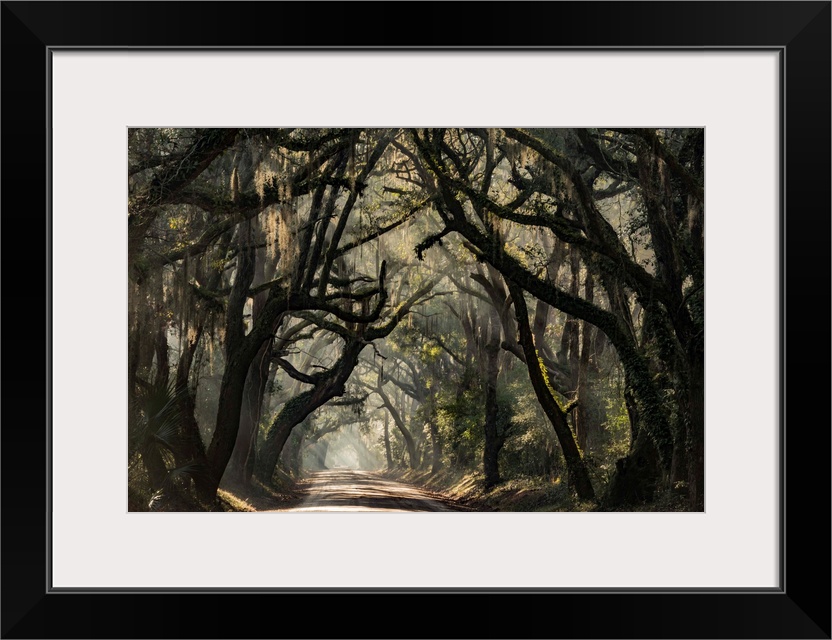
502, 318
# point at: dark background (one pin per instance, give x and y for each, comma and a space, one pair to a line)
801, 609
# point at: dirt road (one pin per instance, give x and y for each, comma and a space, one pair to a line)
349, 490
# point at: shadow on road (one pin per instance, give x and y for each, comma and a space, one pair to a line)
350, 490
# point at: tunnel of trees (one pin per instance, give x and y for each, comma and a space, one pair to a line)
501, 302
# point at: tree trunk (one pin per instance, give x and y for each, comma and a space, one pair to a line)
399, 422
160, 349
241, 464
293, 452
227, 425
241, 352
494, 440
387, 450
679, 466
578, 476
541, 321
144, 362
410, 406
585, 428
573, 324
636, 476
192, 448
133, 350
436, 459
292, 413
696, 429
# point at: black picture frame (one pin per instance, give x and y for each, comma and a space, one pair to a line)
800, 31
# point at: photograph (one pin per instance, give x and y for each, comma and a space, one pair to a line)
437, 279
416, 319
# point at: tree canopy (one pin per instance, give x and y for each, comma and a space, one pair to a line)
506, 303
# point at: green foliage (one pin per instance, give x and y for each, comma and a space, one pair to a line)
530, 448
613, 441
154, 424
154, 418
458, 416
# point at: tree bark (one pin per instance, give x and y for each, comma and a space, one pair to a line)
160, 349
192, 447
387, 450
585, 428
241, 464
578, 476
636, 476
696, 428
399, 422
494, 440
133, 353
231, 394
436, 444
290, 415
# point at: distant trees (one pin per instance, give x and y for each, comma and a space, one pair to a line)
281, 258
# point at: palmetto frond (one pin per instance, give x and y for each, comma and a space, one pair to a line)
188, 471
154, 417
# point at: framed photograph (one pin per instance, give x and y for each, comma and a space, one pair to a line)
500, 114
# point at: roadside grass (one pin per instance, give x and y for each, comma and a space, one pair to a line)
468, 489
519, 494
231, 497
258, 497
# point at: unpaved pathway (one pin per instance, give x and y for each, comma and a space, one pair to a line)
350, 490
